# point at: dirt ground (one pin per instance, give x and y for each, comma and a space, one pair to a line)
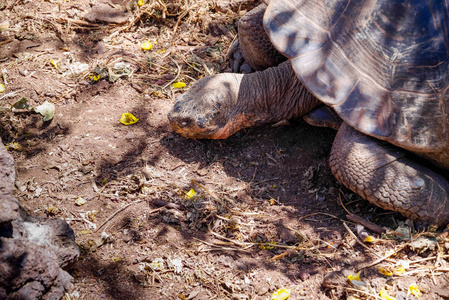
266, 214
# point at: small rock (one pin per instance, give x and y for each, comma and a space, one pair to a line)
137, 87
245, 68
194, 292
103, 13
304, 275
84, 82
202, 172
86, 169
442, 290
423, 243
261, 288
24, 73
101, 48
336, 278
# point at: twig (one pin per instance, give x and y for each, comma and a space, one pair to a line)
429, 268
356, 290
242, 213
371, 226
12, 94
232, 241
176, 77
182, 16
254, 175
192, 66
5, 42
76, 22
358, 240
13, 4
155, 273
209, 192
122, 209
127, 58
322, 213
428, 258
383, 258
217, 247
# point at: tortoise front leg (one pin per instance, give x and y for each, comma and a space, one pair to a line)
383, 174
258, 51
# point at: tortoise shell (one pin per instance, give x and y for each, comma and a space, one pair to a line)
382, 65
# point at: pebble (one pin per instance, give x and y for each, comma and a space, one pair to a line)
261, 288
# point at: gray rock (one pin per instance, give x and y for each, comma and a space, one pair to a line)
35, 253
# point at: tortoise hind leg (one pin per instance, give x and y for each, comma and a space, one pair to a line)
382, 174
323, 116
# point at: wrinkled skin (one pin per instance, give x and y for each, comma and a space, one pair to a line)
388, 176
216, 107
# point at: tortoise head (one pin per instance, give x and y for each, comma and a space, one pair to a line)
208, 109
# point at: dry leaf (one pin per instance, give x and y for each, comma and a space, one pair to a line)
281, 294
178, 85
128, 119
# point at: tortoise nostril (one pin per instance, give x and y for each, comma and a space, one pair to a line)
200, 123
177, 108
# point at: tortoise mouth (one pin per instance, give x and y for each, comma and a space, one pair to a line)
207, 129
191, 128
194, 133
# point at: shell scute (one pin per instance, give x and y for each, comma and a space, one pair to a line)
383, 65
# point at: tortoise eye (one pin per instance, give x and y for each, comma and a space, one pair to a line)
177, 108
186, 122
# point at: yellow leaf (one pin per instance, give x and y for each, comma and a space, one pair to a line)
414, 290
128, 119
399, 270
14, 146
4, 25
85, 232
272, 201
355, 276
47, 110
178, 85
157, 264
52, 210
190, 194
2, 88
370, 239
140, 2
54, 64
80, 201
147, 46
91, 215
384, 295
269, 247
385, 272
281, 294
95, 77
145, 190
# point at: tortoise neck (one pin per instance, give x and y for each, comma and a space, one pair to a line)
276, 93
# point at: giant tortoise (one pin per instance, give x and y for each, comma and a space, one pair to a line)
381, 65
